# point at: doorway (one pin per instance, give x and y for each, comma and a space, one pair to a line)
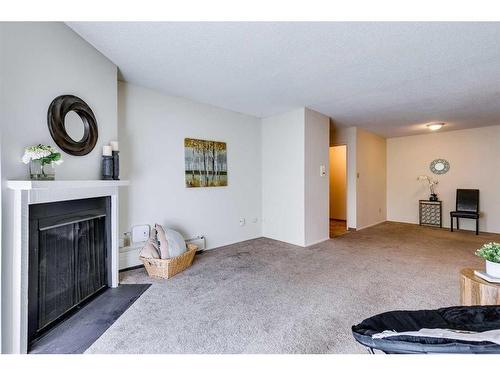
338, 190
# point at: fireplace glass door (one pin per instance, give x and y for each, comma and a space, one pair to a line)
68, 265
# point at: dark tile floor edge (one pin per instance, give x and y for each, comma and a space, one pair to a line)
77, 333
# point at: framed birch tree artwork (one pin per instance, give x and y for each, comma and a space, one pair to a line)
206, 163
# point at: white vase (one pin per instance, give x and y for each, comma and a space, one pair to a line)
493, 269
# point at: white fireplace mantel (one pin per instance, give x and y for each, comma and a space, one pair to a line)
63, 184
27, 193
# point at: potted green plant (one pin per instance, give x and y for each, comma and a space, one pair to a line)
491, 253
41, 159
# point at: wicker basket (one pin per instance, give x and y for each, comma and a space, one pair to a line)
166, 268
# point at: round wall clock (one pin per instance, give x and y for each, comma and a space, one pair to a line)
439, 166
56, 117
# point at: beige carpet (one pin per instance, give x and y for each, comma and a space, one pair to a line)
264, 296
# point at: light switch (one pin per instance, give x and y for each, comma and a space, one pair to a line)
322, 170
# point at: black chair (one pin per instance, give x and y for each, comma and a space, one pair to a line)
467, 207
462, 318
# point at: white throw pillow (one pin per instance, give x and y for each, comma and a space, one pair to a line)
163, 242
150, 250
176, 243
171, 243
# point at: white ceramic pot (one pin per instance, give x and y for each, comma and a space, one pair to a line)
493, 269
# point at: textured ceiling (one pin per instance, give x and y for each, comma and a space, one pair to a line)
390, 78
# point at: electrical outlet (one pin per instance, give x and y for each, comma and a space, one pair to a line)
242, 221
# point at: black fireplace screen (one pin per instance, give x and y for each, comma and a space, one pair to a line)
68, 259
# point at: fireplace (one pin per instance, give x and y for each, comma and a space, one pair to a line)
16, 243
68, 259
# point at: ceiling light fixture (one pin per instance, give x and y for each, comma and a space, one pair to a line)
435, 125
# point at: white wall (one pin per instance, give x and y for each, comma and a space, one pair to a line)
39, 62
316, 187
283, 188
371, 179
152, 128
348, 137
294, 195
473, 154
366, 176
338, 182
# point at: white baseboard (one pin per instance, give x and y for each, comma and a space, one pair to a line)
317, 242
371, 225
129, 256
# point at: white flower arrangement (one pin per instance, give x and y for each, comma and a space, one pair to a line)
432, 183
46, 154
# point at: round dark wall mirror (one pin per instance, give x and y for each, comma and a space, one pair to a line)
72, 125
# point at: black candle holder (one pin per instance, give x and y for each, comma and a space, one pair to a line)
107, 167
116, 165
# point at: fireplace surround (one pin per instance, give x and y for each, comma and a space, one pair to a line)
25, 195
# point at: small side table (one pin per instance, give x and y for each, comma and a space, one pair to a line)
476, 291
430, 213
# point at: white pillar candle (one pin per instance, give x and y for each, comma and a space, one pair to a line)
114, 145
107, 151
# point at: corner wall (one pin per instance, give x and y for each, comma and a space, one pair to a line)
295, 198
283, 189
348, 137
473, 155
371, 189
316, 193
